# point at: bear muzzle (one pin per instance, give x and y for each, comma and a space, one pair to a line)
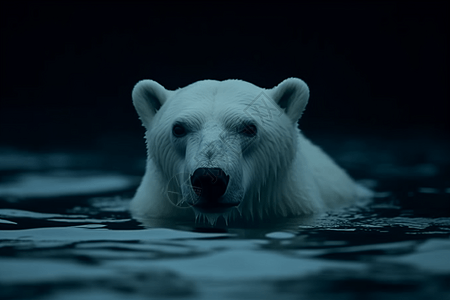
209, 185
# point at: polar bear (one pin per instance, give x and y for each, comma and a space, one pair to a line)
232, 149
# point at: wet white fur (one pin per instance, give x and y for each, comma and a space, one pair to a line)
281, 173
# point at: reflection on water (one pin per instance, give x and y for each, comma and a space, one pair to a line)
65, 232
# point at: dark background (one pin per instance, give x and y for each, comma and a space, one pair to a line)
68, 68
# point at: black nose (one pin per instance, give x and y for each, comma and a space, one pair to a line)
209, 183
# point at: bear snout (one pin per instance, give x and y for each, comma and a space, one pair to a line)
210, 184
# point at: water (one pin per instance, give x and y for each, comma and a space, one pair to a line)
65, 233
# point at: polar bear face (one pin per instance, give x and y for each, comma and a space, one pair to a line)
221, 140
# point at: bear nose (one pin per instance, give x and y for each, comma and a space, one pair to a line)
209, 183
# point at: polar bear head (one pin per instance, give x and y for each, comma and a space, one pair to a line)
223, 141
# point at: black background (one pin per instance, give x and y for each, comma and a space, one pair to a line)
68, 68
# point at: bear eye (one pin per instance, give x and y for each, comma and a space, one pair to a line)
178, 130
249, 130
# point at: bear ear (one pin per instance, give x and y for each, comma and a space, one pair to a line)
292, 95
148, 97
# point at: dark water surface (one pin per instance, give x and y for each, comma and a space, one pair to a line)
65, 233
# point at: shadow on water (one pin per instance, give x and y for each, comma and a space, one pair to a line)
65, 232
